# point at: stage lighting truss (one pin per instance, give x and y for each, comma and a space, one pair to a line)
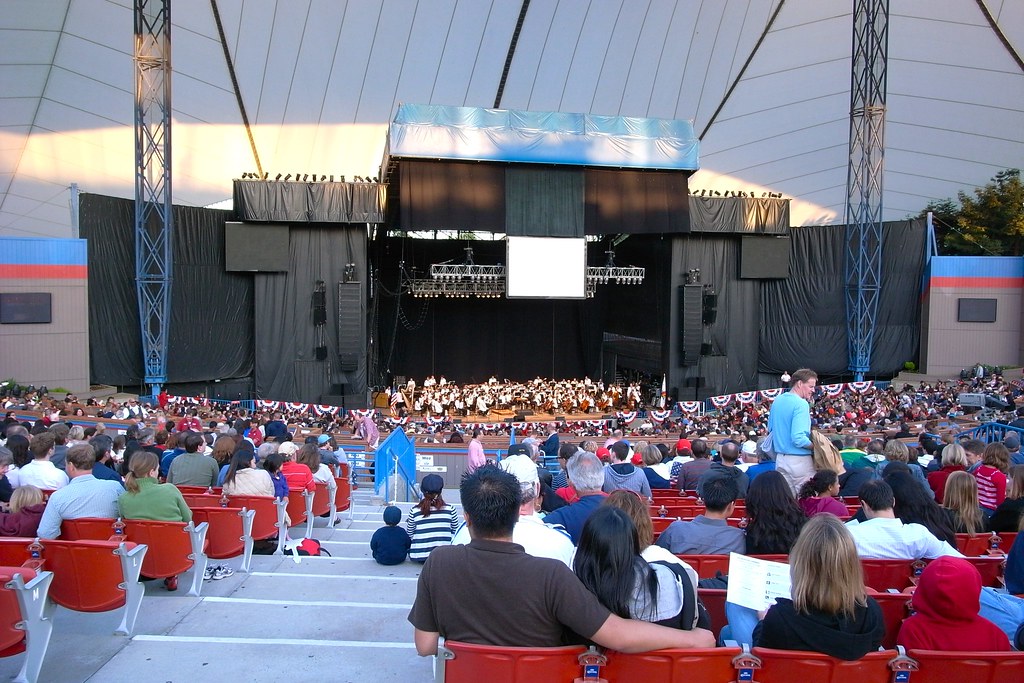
449, 272
602, 275
456, 289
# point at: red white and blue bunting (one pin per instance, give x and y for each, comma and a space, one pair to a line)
746, 397
325, 410
626, 416
659, 416
770, 394
833, 390
362, 413
861, 387
397, 421
721, 401
690, 406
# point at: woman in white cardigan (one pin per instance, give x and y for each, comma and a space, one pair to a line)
243, 478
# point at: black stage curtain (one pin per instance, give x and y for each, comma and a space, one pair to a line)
444, 195
626, 201
733, 363
803, 321
211, 326
286, 338
739, 215
543, 202
305, 202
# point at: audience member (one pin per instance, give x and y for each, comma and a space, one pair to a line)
244, 478
622, 474
690, 472
40, 471
84, 496
960, 499
774, 519
954, 459
534, 609
991, 476
26, 512
192, 468
60, 432
946, 606
103, 446
884, 537
817, 495
432, 522
1009, 515
789, 422
652, 456
389, 544
726, 469
709, 533
829, 612
914, 506
586, 475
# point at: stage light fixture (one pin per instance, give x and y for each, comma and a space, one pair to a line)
288, 177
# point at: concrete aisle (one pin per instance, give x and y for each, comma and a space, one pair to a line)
339, 619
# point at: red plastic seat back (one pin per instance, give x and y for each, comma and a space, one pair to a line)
265, 520
296, 507
12, 639
968, 667
321, 500
990, 568
973, 546
661, 523
1006, 539
895, 608
197, 489
88, 529
15, 551
672, 666
201, 500
789, 666
170, 548
885, 574
707, 565
224, 535
86, 574
478, 663
714, 602
343, 495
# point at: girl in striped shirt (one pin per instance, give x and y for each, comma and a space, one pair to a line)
432, 522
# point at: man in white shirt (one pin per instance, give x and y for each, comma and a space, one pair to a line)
884, 537
41, 472
536, 537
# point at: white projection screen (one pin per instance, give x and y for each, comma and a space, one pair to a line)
546, 268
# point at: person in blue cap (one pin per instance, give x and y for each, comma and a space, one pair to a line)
390, 543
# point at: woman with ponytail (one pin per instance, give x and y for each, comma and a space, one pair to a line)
146, 498
817, 495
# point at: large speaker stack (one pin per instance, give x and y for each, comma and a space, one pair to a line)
691, 323
319, 306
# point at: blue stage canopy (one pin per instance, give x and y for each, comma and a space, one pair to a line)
475, 134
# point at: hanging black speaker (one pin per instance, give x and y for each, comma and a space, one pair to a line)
710, 312
319, 316
321, 353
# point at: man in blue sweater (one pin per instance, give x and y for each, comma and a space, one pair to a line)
790, 425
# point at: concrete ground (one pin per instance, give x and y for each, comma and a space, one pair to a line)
338, 619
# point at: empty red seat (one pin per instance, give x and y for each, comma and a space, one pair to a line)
23, 627
269, 517
973, 546
174, 548
707, 565
967, 667
991, 569
469, 663
16, 552
204, 500
885, 574
229, 532
96, 576
342, 496
1005, 539
789, 666
199, 489
661, 523
300, 509
895, 608
323, 503
672, 666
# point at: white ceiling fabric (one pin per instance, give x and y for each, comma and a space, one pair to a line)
321, 79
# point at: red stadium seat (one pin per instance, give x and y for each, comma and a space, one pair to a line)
707, 565
269, 518
1005, 539
300, 509
342, 497
661, 523
895, 608
885, 574
204, 500
991, 569
18, 552
714, 602
671, 666
174, 548
92, 529
974, 546
323, 504
469, 663
96, 576
787, 666
229, 533
212, 490
23, 628
967, 667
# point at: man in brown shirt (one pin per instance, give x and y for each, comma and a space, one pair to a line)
505, 597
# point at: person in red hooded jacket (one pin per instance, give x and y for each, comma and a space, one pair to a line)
946, 603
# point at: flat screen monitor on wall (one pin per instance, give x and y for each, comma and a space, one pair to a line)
976, 310
20, 308
764, 257
259, 247
546, 268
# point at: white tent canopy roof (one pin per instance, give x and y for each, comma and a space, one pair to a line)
321, 79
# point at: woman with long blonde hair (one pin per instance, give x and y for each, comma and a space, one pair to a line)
961, 499
829, 611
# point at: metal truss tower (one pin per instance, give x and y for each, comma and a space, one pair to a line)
153, 219
864, 179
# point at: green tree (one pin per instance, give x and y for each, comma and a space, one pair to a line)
988, 222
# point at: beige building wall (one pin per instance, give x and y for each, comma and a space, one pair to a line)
948, 346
